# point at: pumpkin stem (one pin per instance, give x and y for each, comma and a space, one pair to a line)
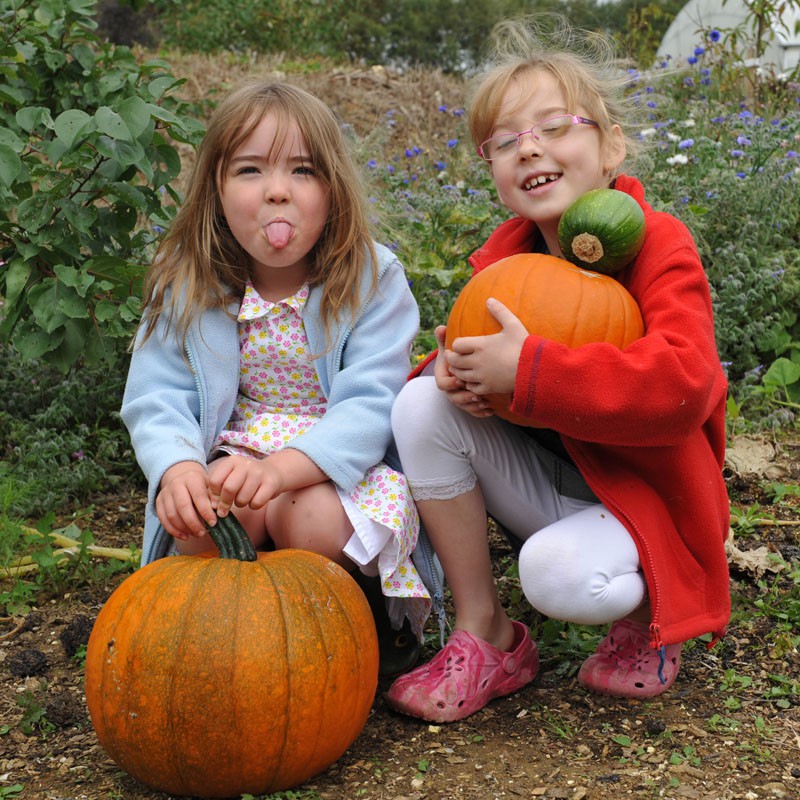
587, 247
230, 538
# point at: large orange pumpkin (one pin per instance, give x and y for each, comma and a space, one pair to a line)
215, 677
552, 298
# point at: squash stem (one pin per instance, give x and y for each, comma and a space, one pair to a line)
230, 538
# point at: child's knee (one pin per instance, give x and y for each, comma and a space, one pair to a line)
310, 519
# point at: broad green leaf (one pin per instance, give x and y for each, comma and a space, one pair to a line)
78, 215
112, 124
136, 114
16, 277
10, 165
71, 304
70, 124
33, 213
782, 372
125, 153
43, 300
78, 279
32, 117
12, 95
32, 342
10, 139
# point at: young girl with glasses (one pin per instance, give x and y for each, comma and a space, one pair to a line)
275, 337
615, 493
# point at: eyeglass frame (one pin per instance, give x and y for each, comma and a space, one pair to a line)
575, 119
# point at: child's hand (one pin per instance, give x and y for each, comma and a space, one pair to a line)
488, 364
456, 391
242, 481
183, 503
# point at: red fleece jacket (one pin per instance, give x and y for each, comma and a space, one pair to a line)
645, 426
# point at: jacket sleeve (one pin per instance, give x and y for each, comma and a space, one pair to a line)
365, 372
171, 407
659, 388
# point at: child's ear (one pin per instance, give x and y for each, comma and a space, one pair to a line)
615, 149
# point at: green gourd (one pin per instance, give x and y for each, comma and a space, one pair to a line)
603, 230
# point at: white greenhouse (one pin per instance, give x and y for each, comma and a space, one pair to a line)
698, 16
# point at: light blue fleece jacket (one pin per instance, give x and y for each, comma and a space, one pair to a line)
177, 401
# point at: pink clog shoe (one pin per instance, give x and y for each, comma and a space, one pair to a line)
464, 676
624, 664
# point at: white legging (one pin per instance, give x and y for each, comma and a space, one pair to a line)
578, 562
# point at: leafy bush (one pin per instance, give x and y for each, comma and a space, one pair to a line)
87, 154
61, 439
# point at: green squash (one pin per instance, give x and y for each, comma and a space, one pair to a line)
603, 231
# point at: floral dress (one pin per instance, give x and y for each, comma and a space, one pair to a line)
279, 399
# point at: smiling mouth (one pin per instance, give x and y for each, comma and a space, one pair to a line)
532, 183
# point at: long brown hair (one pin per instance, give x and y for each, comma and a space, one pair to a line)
199, 264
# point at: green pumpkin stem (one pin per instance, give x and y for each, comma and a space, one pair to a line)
231, 540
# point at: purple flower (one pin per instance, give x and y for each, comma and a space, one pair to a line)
737, 153
685, 144
451, 143
743, 140
715, 35
443, 108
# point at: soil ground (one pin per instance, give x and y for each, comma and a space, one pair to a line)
719, 734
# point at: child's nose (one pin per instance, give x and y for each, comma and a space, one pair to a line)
276, 191
529, 144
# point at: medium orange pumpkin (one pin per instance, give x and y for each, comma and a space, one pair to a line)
552, 298
215, 677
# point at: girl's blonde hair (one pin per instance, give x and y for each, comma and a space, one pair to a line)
583, 64
199, 264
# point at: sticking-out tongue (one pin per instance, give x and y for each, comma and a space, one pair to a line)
279, 234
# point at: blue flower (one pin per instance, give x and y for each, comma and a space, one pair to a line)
715, 35
737, 153
699, 50
688, 82
443, 108
692, 60
451, 143
685, 144
372, 163
743, 140
652, 104
741, 175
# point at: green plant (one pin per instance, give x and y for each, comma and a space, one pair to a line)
46, 561
88, 153
11, 791
34, 719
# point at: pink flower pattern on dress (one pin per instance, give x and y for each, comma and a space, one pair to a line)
280, 399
